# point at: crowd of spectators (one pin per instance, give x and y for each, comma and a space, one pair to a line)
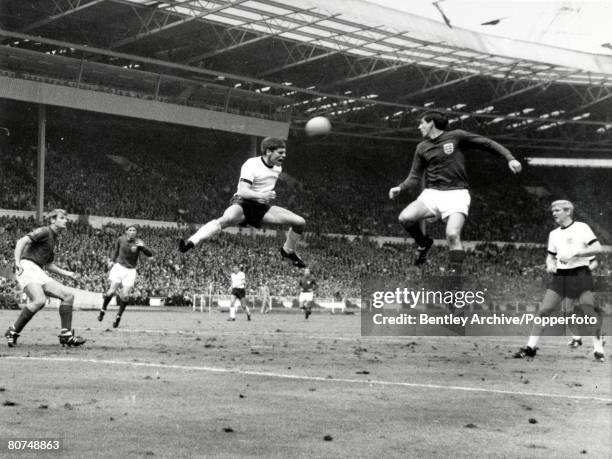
157, 176
339, 265
337, 190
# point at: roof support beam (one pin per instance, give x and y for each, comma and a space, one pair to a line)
590, 96
304, 91
62, 9
163, 20
228, 41
309, 56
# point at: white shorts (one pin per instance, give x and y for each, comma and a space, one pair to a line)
444, 203
305, 296
32, 274
121, 275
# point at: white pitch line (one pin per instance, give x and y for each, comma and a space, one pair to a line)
313, 378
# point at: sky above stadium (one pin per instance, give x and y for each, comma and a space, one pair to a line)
577, 25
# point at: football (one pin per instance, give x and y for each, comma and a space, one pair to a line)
319, 125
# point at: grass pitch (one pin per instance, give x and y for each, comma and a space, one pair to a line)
189, 384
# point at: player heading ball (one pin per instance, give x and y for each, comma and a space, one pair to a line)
440, 159
253, 202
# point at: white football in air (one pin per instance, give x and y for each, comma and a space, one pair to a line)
319, 125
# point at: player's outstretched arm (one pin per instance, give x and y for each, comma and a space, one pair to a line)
492, 146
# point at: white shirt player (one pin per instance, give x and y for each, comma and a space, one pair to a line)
565, 242
238, 280
259, 175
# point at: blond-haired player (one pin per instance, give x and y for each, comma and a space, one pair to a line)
571, 247
34, 255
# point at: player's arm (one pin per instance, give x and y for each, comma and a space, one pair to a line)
245, 191
593, 264
590, 247
414, 177
143, 248
551, 263
21, 245
551, 258
492, 146
53, 268
113, 254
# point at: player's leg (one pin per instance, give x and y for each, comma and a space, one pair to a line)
245, 305
454, 226
266, 304
56, 290
305, 300
280, 216
123, 296
232, 308
302, 303
128, 280
586, 306
454, 206
38, 299
232, 216
308, 309
552, 300
576, 340
107, 297
410, 218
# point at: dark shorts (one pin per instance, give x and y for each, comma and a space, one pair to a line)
238, 293
571, 283
253, 211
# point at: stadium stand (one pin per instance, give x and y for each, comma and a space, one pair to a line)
153, 178
338, 263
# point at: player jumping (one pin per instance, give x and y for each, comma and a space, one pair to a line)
440, 158
251, 205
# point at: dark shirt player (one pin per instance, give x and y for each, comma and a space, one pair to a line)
440, 159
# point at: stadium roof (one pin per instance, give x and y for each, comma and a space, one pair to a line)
369, 68
579, 25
